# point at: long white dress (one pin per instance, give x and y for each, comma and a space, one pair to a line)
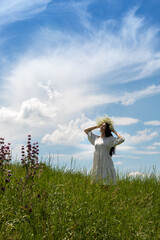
103, 168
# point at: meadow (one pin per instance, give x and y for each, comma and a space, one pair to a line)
47, 202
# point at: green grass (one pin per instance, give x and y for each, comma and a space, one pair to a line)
61, 204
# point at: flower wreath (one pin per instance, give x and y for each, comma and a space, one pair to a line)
101, 120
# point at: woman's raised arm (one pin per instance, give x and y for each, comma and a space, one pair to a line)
118, 135
87, 130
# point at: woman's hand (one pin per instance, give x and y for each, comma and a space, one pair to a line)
118, 135
87, 130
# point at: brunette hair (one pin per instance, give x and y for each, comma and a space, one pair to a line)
108, 134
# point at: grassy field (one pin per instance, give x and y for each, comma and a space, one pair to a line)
59, 204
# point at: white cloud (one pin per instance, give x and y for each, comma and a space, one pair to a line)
136, 174
80, 9
66, 91
77, 65
32, 116
151, 147
31, 111
141, 136
127, 156
52, 93
152, 123
33, 108
156, 144
125, 148
71, 134
130, 98
118, 163
125, 120
16, 10
7, 115
146, 152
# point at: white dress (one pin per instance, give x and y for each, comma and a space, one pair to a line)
103, 168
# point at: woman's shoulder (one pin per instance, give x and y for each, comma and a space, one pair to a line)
110, 137
91, 134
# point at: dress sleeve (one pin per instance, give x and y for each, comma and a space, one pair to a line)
92, 137
116, 141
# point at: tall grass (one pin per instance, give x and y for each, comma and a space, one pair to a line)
60, 204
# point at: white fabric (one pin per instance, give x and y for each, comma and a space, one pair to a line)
103, 168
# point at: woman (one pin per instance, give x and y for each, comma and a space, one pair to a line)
103, 168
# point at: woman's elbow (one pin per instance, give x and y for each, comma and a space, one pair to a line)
85, 130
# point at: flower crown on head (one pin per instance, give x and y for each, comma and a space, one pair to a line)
101, 120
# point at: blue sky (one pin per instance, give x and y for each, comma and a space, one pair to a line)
64, 63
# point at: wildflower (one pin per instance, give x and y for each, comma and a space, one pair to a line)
7, 180
3, 189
